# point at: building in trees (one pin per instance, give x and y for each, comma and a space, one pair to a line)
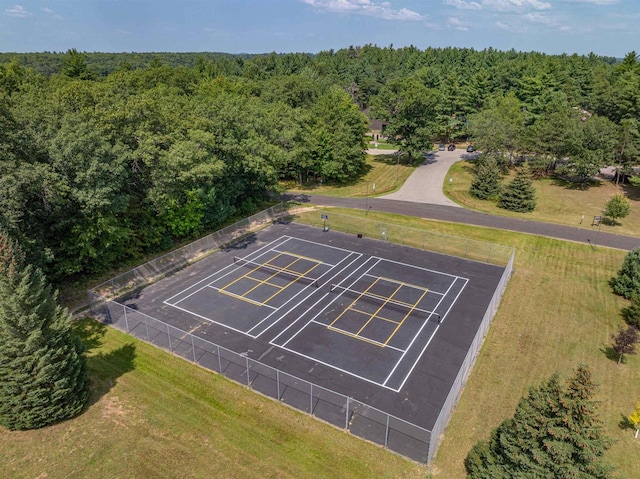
555, 432
43, 374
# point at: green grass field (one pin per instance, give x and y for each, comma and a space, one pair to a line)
383, 171
558, 311
558, 201
156, 415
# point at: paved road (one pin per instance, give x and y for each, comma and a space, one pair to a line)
461, 215
425, 183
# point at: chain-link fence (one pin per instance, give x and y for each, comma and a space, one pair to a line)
337, 409
416, 238
342, 411
469, 360
160, 267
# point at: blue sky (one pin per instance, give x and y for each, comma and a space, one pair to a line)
605, 27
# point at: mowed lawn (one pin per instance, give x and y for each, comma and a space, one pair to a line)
558, 311
558, 201
156, 415
384, 174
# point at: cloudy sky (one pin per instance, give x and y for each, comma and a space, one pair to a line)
605, 27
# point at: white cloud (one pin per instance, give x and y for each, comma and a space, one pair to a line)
595, 2
369, 8
462, 5
457, 23
537, 17
504, 5
504, 26
17, 11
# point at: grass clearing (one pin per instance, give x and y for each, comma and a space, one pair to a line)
383, 171
558, 311
152, 414
558, 201
156, 415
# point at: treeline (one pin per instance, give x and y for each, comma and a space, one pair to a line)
108, 156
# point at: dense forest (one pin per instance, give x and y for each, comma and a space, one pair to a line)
105, 157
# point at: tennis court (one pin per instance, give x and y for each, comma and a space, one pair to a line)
376, 322
355, 306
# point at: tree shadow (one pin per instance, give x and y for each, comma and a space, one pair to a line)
578, 185
611, 354
104, 367
625, 423
631, 192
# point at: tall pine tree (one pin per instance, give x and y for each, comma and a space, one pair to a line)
486, 180
555, 432
519, 195
43, 374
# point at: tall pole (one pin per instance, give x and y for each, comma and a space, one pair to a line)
366, 204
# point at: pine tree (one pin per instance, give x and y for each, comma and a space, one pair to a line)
486, 180
519, 195
43, 374
627, 282
555, 432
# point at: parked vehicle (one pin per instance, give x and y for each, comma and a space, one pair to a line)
441, 147
470, 149
451, 147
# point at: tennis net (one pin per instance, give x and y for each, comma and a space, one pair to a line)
283, 272
383, 299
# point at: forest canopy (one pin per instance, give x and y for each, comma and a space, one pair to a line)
105, 157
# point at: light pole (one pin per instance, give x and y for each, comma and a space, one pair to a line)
366, 201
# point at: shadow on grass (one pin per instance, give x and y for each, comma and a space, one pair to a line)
625, 423
631, 192
105, 367
576, 185
611, 354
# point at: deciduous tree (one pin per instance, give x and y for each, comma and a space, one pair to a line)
624, 342
617, 207
634, 417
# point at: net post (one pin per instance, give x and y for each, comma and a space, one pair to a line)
346, 415
386, 433
126, 321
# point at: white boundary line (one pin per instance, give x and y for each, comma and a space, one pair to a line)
419, 267
420, 332
167, 301
466, 281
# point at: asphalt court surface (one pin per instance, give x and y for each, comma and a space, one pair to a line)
363, 317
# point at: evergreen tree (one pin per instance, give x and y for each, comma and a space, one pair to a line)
618, 206
43, 374
486, 180
627, 281
555, 432
631, 313
519, 195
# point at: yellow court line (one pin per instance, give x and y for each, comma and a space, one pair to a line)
242, 298
353, 302
379, 309
379, 317
404, 319
403, 283
266, 280
292, 282
361, 338
302, 257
